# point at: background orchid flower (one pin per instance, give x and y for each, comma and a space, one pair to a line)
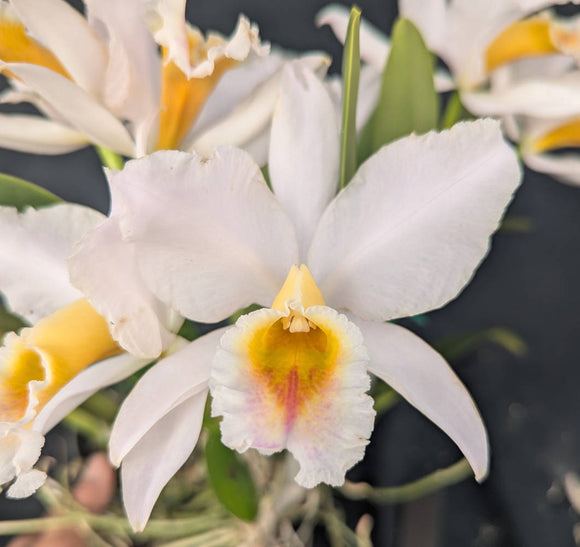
101, 80
404, 237
43, 368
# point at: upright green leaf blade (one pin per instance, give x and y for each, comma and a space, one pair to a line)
350, 82
408, 102
19, 193
230, 478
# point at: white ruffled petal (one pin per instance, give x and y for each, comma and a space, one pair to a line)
407, 233
304, 391
33, 250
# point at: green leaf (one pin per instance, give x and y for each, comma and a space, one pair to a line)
19, 193
230, 478
408, 102
350, 82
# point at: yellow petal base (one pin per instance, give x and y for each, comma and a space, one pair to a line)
181, 98
528, 38
564, 136
42, 359
17, 47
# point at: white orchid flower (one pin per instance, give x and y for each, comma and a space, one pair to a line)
44, 370
101, 80
404, 237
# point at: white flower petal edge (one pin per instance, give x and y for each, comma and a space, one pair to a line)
304, 150
37, 135
74, 106
19, 451
33, 249
321, 415
534, 97
53, 23
104, 268
397, 246
248, 242
158, 456
81, 387
415, 370
165, 386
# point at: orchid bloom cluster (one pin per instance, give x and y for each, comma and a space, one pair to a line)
512, 59
315, 265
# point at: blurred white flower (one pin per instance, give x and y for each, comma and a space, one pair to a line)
43, 369
102, 80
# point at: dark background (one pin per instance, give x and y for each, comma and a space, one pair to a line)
529, 283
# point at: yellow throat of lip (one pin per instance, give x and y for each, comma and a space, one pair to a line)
182, 99
42, 359
292, 358
528, 38
17, 47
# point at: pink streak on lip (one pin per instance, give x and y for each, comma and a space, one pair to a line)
291, 400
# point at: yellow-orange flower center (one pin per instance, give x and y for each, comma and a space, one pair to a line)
16, 46
181, 98
40, 361
528, 38
293, 358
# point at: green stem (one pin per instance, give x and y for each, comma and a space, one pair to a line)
109, 159
454, 112
412, 491
164, 529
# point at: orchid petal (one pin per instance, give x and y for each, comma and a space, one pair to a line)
565, 168
81, 387
132, 81
407, 233
104, 268
26, 484
37, 135
539, 98
158, 456
374, 44
304, 150
64, 31
226, 242
164, 387
80, 110
429, 17
33, 249
251, 117
424, 379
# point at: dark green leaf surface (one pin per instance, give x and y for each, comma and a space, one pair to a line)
15, 192
230, 478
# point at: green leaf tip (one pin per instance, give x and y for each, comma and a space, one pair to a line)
350, 83
408, 102
19, 193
